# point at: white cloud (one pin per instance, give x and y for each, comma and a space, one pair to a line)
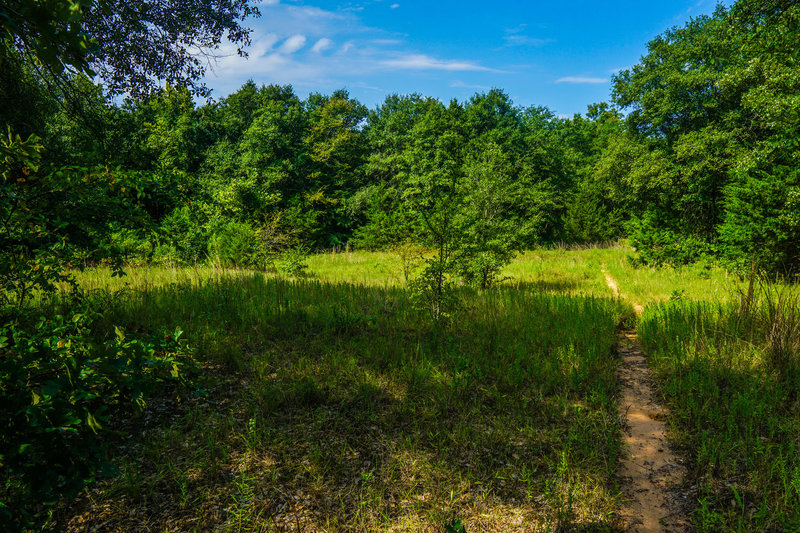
386, 42
525, 40
293, 44
322, 45
394, 6
458, 84
425, 62
315, 12
581, 79
342, 51
516, 37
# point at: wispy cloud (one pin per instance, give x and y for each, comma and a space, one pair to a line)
518, 37
426, 62
293, 44
386, 42
322, 45
458, 84
315, 49
581, 79
394, 6
525, 40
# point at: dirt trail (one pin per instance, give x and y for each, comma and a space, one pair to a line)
649, 470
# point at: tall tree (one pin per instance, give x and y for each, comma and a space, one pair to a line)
131, 45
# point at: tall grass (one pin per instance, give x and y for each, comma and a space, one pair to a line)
731, 372
338, 406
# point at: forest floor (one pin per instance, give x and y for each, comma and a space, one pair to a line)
331, 403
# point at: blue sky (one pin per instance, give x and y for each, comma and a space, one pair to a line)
560, 54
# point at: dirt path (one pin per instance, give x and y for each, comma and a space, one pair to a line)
649, 470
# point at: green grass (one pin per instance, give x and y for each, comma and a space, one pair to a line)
649, 285
338, 406
332, 404
731, 374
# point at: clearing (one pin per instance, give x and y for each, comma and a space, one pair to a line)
330, 403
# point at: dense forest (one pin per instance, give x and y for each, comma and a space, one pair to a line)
118, 158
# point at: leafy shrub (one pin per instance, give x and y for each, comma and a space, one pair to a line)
131, 246
235, 244
59, 387
185, 238
658, 246
60, 380
292, 262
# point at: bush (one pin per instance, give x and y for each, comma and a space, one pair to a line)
659, 246
185, 237
131, 246
590, 217
235, 244
60, 380
292, 262
59, 387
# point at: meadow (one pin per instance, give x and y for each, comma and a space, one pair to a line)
332, 403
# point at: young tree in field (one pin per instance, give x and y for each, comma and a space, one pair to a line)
488, 235
435, 160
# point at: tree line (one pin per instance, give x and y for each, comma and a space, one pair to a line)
694, 158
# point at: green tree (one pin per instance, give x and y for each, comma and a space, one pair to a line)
488, 236
389, 134
701, 108
337, 150
435, 158
130, 45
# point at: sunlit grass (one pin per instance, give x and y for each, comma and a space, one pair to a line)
332, 404
731, 374
338, 406
651, 285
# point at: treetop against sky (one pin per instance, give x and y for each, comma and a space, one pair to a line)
558, 54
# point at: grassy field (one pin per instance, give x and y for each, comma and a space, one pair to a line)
334, 405
731, 373
330, 403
